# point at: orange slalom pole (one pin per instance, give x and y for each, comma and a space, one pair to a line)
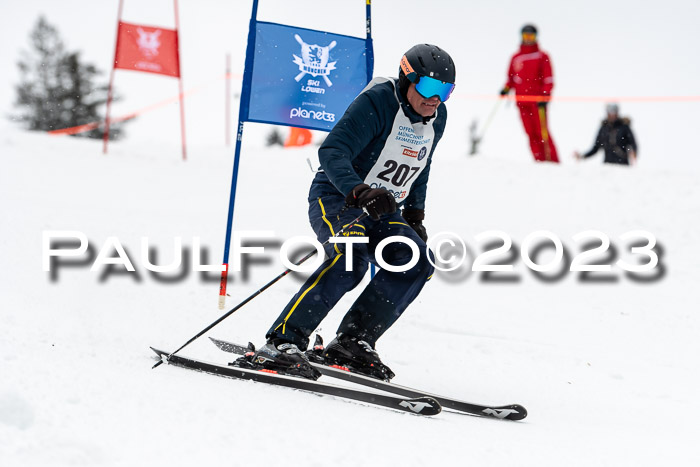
105, 137
179, 81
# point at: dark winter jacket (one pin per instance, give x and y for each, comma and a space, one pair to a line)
617, 139
353, 146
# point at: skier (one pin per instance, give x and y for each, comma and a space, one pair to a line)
616, 138
530, 74
377, 158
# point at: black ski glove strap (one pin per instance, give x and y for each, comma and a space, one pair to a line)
414, 218
376, 201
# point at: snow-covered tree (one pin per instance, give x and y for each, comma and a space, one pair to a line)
57, 89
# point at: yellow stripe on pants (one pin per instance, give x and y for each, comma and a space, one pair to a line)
284, 322
544, 132
330, 226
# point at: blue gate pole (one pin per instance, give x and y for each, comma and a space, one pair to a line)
242, 117
369, 56
369, 48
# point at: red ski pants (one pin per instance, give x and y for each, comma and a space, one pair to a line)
535, 123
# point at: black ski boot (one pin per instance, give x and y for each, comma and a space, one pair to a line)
358, 356
278, 357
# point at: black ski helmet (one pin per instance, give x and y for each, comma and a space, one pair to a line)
426, 60
529, 28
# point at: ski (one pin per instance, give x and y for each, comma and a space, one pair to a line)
421, 405
505, 412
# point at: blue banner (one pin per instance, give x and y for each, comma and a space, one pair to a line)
302, 77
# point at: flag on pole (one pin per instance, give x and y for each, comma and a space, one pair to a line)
297, 77
147, 48
303, 77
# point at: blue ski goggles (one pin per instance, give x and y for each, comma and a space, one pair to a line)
429, 87
425, 85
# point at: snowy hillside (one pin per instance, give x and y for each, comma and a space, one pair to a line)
607, 370
606, 363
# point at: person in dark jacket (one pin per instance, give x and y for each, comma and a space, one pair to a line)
615, 137
376, 159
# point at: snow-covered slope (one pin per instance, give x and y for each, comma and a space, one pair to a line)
606, 363
607, 370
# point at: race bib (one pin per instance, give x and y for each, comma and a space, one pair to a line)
403, 158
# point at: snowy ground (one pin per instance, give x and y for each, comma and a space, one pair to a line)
607, 370
607, 364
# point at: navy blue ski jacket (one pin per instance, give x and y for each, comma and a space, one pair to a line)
355, 143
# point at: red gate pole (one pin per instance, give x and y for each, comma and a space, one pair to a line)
105, 137
179, 79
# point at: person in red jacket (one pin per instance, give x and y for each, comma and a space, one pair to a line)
530, 74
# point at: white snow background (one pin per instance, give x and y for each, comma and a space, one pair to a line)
606, 365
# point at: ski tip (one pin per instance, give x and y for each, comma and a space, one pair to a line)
506, 412
162, 357
422, 406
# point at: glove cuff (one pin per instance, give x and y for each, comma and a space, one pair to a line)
413, 215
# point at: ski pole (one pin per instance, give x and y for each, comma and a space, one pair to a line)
477, 139
261, 290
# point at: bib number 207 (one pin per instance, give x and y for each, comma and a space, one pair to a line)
398, 175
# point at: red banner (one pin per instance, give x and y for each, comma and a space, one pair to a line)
146, 48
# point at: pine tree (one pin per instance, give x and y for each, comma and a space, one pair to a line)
57, 89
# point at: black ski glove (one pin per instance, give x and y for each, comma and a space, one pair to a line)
414, 218
505, 91
376, 201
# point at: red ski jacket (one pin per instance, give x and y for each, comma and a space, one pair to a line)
530, 72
